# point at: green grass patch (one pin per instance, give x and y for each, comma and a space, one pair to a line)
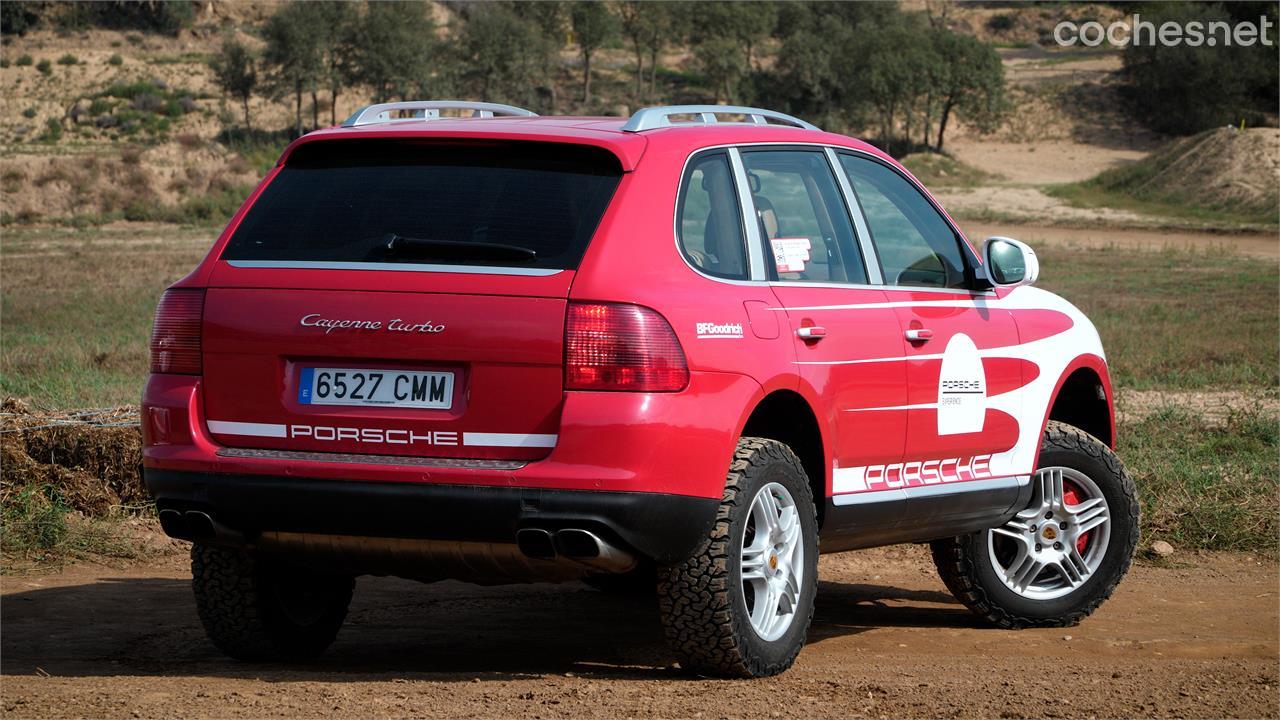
78, 306
1102, 193
40, 527
260, 148
1175, 320
1203, 485
935, 169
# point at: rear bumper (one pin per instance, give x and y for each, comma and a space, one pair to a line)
662, 527
666, 443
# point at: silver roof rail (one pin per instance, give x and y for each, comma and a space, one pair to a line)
430, 110
652, 118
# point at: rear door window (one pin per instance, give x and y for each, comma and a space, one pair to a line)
533, 205
802, 217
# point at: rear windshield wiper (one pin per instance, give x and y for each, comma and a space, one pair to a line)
393, 245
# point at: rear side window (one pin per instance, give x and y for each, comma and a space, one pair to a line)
710, 224
532, 205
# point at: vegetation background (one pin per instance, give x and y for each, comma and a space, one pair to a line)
1149, 178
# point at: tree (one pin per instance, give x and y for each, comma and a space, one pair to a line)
234, 71
331, 26
505, 54
293, 54
593, 26
971, 82
551, 18
392, 49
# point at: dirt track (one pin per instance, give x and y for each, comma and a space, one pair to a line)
1196, 640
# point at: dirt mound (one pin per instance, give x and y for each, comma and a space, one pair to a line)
1222, 169
90, 458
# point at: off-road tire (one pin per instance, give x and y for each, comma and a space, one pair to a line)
703, 610
240, 602
965, 565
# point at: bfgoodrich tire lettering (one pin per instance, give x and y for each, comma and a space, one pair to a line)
253, 609
703, 606
969, 572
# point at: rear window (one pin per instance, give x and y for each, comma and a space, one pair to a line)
530, 205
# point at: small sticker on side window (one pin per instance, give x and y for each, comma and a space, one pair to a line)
790, 254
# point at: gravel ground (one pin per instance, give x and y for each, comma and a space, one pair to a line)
1195, 636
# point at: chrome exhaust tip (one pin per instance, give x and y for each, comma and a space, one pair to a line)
535, 543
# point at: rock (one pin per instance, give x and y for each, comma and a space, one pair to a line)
1161, 548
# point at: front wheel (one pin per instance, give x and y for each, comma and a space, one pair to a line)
1058, 559
741, 605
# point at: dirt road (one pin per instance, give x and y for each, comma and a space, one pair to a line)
1195, 640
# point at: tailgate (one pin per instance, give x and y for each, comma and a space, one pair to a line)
265, 352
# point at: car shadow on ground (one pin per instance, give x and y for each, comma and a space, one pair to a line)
401, 629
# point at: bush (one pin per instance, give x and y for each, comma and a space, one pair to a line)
35, 518
1000, 23
115, 60
4, 62
100, 106
45, 67
29, 113
24, 60
1182, 89
68, 59
52, 130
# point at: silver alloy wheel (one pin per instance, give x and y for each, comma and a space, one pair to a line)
772, 561
1037, 554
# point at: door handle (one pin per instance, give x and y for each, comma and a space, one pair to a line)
812, 333
919, 335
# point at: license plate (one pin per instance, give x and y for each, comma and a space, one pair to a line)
384, 388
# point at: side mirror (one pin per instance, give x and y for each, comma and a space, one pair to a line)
1009, 262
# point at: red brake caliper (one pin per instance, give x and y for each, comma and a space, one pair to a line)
1071, 496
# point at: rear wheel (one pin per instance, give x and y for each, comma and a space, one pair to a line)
741, 605
1058, 559
253, 608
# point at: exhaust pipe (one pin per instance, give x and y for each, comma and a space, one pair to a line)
590, 549
535, 543
173, 524
202, 527
575, 547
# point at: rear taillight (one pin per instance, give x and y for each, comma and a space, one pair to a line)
175, 337
621, 347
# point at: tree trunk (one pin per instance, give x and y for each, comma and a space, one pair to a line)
639, 75
928, 119
333, 109
942, 122
297, 110
653, 73
247, 124
586, 76
315, 110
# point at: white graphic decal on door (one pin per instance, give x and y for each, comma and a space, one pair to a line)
962, 388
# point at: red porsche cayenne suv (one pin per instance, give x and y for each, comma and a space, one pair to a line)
687, 350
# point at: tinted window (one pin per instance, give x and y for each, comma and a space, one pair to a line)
915, 244
802, 217
508, 204
711, 220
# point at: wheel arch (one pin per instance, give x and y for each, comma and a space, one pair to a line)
1083, 399
785, 416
